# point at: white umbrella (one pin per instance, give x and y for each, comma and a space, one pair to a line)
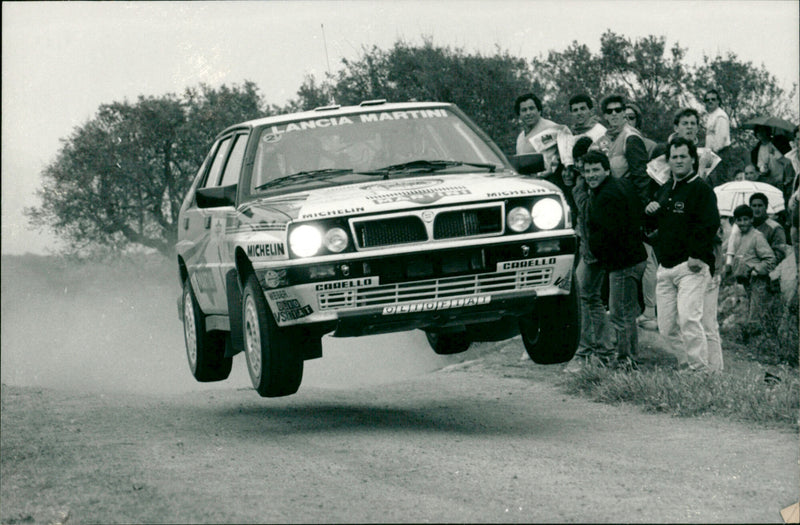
732, 194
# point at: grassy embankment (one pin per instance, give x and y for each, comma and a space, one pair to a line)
760, 383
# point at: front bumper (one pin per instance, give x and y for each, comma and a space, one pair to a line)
436, 289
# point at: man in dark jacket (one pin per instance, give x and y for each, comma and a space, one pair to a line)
685, 214
614, 229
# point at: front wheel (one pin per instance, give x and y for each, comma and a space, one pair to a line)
550, 334
448, 343
274, 355
205, 351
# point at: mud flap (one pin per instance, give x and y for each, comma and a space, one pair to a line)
236, 339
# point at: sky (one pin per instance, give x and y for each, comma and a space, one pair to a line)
61, 61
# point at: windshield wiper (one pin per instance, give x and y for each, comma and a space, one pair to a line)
429, 165
304, 175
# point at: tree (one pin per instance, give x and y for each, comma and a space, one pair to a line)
746, 92
121, 177
564, 74
483, 86
642, 70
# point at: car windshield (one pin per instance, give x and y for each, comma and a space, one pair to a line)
345, 149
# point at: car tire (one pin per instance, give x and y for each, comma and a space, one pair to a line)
550, 333
448, 343
274, 355
205, 351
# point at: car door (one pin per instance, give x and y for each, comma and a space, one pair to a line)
219, 252
206, 226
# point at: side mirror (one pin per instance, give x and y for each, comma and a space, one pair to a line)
528, 163
216, 196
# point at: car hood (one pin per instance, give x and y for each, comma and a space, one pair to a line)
400, 194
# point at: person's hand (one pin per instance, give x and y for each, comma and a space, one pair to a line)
695, 265
727, 271
652, 208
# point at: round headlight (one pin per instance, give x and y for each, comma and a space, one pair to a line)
305, 240
335, 240
547, 214
519, 219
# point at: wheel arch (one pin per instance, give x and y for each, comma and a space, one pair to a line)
183, 271
235, 280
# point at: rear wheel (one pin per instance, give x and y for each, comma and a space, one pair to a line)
205, 351
550, 334
274, 355
449, 342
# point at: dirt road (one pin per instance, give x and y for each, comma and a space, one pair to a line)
101, 422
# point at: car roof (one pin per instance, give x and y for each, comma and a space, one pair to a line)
336, 111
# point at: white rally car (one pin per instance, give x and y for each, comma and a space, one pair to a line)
362, 220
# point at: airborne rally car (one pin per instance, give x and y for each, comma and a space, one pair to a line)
363, 220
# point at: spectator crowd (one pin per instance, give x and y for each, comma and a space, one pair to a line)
653, 248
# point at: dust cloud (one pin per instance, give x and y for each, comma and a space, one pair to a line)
96, 328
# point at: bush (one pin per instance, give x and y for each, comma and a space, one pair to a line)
773, 339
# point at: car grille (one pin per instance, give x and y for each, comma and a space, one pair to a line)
386, 232
439, 224
434, 289
467, 223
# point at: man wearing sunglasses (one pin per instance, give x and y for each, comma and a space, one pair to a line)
718, 125
625, 148
718, 129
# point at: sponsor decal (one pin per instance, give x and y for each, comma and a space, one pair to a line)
364, 282
267, 249
331, 213
278, 294
274, 133
401, 185
274, 278
291, 310
444, 304
526, 263
516, 193
418, 192
403, 115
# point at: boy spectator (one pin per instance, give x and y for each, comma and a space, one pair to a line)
772, 231
749, 260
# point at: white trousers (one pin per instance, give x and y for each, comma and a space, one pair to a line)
680, 297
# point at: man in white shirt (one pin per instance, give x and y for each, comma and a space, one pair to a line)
718, 132
540, 135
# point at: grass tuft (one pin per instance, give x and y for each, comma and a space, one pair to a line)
744, 396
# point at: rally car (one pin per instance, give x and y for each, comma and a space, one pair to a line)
362, 220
